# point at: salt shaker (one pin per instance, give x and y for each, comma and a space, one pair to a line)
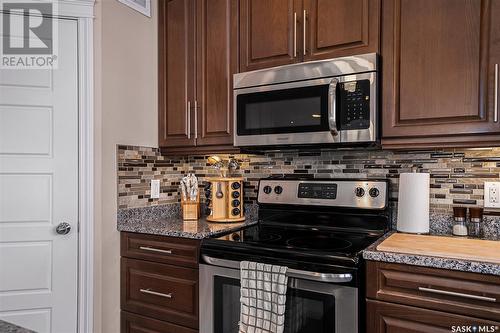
476, 222
459, 226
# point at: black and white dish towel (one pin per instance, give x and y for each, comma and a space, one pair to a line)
263, 298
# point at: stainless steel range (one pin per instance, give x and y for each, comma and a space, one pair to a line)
317, 228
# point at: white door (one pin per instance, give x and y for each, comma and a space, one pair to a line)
39, 190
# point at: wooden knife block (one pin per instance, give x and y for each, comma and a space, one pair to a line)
191, 209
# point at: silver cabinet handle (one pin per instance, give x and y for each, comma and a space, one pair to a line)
188, 115
304, 31
295, 34
152, 249
293, 273
149, 291
452, 293
495, 99
63, 228
195, 119
332, 107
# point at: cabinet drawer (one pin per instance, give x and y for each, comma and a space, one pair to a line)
463, 293
385, 317
162, 249
160, 291
132, 323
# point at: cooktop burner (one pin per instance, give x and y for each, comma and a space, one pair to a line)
320, 242
309, 223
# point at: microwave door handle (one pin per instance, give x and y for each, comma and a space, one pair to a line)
332, 107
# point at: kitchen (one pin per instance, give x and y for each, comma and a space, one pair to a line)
293, 166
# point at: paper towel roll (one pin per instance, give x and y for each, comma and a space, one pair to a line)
413, 203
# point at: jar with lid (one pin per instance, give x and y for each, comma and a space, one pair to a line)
476, 222
459, 225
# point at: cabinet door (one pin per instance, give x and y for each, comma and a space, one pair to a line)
338, 28
217, 61
385, 317
176, 72
438, 61
268, 33
133, 323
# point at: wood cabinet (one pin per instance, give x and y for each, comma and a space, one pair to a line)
404, 298
197, 56
438, 69
338, 28
159, 284
132, 323
268, 33
280, 32
176, 72
395, 318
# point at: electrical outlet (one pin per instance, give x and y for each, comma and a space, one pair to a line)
155, 188
491, 194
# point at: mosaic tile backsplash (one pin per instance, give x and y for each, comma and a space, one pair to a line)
457, 176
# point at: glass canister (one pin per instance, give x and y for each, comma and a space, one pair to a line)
476, 222
459, 225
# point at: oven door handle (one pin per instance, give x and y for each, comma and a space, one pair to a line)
332, 106
293, 273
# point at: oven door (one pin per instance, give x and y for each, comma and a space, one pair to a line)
322, 111
311, 306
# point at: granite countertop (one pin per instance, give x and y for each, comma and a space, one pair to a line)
371, 253
166, 220
6, 327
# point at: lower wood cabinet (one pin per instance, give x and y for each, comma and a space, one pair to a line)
159, 284
386, 317
404, 298
132, 323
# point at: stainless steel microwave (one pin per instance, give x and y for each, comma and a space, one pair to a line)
327, 102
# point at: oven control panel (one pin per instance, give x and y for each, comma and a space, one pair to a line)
350, 193
317, 191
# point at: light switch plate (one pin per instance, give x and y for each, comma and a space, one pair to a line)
491, 194
155, 188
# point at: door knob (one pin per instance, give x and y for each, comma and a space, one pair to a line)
63, 228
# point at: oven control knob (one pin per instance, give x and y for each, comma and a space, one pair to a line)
374, 192
235, 203
278, 189
235, 194
235, 185
268, 189
236, 211
235, 237
360, 192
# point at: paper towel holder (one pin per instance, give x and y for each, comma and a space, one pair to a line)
413, 203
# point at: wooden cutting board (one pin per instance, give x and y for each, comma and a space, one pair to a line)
442, 246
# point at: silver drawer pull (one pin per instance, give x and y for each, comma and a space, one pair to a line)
452, 293
148, 291
152, 249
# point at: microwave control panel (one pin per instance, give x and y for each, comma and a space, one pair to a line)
354, 104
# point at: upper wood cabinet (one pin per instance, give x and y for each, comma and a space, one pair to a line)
280, 32
438, 84
338, 28
176, 72
217, 61
197, 57
268, 33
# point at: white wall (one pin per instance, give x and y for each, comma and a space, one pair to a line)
126, 113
